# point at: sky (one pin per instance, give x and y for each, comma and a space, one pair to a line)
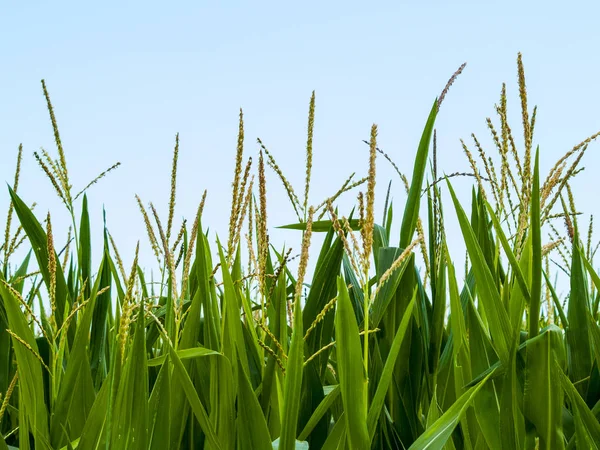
125, 77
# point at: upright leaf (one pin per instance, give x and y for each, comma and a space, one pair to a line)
31, 386
500, 328
543, 392
293, 382
536, 267
411, 210
436, 436
353, 380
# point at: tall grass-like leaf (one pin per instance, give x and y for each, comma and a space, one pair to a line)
293, 382
159, 411
460, 352
31, 386
512, 424
319, 412
76, 394
203, 267
512, 421
536, 266
388, 371
320, 226
6, 369
130, 416
279, 328
353, 381
93, 435
438, 317
436, 436
482, 358
233, 344
386, 257
488, 293
190, 334
193, 399
411, 210
556, 300
252, 428
543, 392
595, 280
579, 351
222, 397
337, 436
357, 296
587, 428
39, 244
514, 264
100, 321
85, 248
323, 289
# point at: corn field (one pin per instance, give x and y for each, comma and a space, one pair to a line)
387, 344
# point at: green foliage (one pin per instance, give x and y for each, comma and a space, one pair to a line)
228, 355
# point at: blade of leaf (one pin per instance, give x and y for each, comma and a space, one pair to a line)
411, 210
435, 437
353, 381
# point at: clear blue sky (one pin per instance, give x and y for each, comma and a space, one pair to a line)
124, 77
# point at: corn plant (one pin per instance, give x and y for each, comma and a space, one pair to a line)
383, 346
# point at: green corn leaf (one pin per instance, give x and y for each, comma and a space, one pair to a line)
337, 436
411, 210
536, 266
188, 353
252, 427
198, 409
587, 428
31, 386
353, 381
438, 317
100, 321
39, 244
159, 411
293, 382
319, 412
460, 353
500, 327
85, 248
130, 416
483, 357
319, 226
556, 300
595, 280
387, 256
204, 268
436, 436
514, 264
512, 423
94, 432
323, 289
543, 393
76, 394
579, 351
234, 345
388, 371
